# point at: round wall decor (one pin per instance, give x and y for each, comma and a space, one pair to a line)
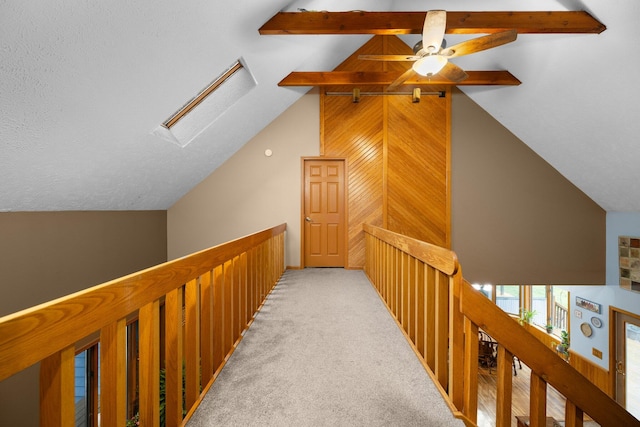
586, 329
595, 321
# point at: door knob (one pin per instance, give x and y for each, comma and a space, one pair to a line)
308, 219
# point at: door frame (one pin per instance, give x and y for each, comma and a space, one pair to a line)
613, 345
346, 205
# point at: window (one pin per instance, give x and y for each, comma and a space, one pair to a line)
559, 307
539, 305
508, 298
87, 386
550, 303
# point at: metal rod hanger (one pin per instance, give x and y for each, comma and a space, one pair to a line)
441, 94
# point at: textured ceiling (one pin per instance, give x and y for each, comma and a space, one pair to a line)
83, 86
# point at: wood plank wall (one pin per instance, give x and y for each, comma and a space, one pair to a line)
397, 151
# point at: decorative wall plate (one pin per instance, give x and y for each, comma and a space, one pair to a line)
595, 321
586, 329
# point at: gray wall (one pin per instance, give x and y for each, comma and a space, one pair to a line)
46, 255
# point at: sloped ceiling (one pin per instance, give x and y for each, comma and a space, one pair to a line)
83, 86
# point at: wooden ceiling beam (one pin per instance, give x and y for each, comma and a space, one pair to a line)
385, 78
390, 23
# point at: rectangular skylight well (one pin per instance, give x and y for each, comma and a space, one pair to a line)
209, 105
193, 103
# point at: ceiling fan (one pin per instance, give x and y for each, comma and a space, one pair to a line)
431, 56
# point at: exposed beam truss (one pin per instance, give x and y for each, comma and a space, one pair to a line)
385, 78
393, 23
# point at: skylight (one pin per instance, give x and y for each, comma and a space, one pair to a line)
208, 105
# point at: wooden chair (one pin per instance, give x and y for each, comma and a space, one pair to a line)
488, 351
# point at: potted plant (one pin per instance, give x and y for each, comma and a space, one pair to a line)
549, 327
563, 347
526, 316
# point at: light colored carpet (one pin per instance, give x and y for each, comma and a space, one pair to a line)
323, 351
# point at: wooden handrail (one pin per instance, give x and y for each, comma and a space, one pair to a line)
218, 290
419, 283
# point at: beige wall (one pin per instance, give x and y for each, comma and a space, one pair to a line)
46, 255
515, 219
251, 192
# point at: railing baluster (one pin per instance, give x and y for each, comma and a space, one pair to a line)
430, 285
442, 329
456, 342
173, 356
573, 415
206, 335
413, 299
238, 317
218, 317
537, 401
33, 335
149, 321
406, 291
113, 363
504, 388
447, 305
245, 308
470, 408
57, 378
192, 339
228, 304
421, 315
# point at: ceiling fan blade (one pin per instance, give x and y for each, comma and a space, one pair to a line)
452, 72
389, 57
400, 80
480, 43
435, 24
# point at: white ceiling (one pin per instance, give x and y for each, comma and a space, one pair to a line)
83, 85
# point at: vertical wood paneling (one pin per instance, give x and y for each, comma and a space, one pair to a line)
597, 375
397, 154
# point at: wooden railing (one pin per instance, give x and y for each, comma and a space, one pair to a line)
441, 315
209, 298
559, 316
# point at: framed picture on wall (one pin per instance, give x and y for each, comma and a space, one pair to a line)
588, 305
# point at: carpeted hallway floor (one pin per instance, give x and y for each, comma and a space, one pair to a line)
323, 351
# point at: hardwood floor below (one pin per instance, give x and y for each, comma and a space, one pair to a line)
520, 398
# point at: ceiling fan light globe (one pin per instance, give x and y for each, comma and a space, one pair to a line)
429, 65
